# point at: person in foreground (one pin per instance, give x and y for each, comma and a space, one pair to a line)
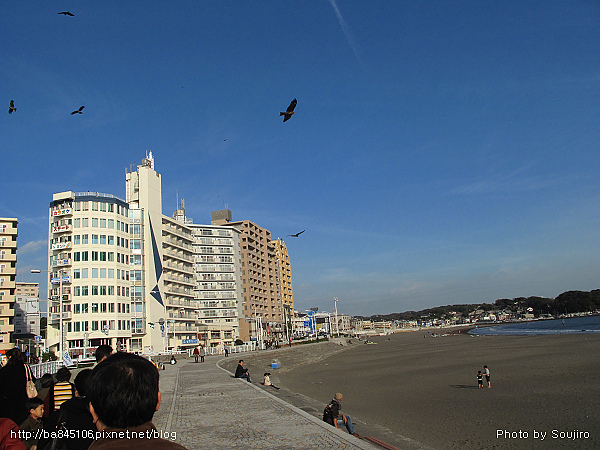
123, 395
332, 414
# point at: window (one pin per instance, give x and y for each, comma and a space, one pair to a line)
76, 239
103, 207
94, 274
76, 291
94, 222
77, 223
111, 307
111, 290
94, 256
84, 308
111, 240
85, 222
94, 239
84, 291
76, 273
77, 309
94, 291
102, 223
76, 256
77, 206
102, 273
84, 256
94, 206
84, 273
84, 239
103, 239
111, 273
94, 325
102, 256
102, 307
94, 308
110, 223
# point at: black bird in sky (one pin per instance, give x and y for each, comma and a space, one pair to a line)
297, 234
79, 111
66, 13
12, 107
289, 112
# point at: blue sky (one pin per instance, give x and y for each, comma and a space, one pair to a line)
442, 152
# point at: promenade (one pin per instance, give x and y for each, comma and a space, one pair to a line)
209, 409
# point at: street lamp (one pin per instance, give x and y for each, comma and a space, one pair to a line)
60, 300
337, 325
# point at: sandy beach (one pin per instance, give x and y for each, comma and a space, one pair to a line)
414, 390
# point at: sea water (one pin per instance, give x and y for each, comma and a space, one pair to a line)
587, 324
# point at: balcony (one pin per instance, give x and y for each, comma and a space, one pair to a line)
55, 317
61, 228
61, 263
62, 246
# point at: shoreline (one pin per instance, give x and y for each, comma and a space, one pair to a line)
423, 388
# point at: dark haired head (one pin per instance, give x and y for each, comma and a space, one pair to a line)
47, 380
103, 351
63, 374
33, 403
240, 361
14, 356
123, 390
81, 381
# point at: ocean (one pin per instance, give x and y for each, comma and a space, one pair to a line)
574, 325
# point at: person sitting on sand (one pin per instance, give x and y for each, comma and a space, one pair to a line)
332, 414
267, 380
486, 372
242, 372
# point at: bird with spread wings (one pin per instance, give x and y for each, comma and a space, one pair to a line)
297, 234
66, 13
290, 111
12, 108
78, 111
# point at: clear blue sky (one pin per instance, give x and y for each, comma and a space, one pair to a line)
442, 152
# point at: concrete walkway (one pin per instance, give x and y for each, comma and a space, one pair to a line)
209, 409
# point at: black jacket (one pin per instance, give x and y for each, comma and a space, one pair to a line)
79, 423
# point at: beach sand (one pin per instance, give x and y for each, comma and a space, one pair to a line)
414, 390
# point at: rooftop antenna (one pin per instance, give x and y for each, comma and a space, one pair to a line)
177, 195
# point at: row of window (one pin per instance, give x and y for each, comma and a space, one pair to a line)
103, 273
82, 291
98, 325
101, 239
100, 206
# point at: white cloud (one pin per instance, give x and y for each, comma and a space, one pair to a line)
32, 247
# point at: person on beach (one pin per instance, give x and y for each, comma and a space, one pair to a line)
196, 354
242, 372
124, 395
202, 353
332, 414
267, 380
479, 379
486, 372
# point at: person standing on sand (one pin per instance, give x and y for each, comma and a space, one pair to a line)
202, 353
479, 379
486, 372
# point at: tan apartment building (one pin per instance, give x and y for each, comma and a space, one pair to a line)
27, 289
261, 285
285, 273
8, 273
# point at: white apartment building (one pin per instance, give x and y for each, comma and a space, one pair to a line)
217, 264
88, 266
27, 309
8, 272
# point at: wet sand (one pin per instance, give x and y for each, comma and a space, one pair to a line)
414, 391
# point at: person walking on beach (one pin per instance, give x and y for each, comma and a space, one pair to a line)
332, 414
479, 379
486, 372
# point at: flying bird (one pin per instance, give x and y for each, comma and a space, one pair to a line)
79, 111
66, 13
297, 234
12, 107
289, 112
